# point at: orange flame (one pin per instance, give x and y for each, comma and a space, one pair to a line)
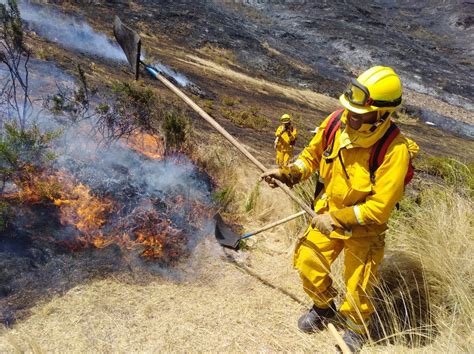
145, 228
149, 145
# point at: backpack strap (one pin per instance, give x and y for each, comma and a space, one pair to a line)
332, 127
330, 130
379, 149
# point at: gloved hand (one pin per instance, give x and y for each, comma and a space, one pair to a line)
270, 176
290, 175
324, 223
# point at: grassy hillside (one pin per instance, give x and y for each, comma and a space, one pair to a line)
250, 300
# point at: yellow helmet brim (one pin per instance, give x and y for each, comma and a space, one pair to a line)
356, 109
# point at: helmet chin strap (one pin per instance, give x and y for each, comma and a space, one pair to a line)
380, 120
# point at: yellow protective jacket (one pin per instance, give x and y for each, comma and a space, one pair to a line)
285, 140
358, 206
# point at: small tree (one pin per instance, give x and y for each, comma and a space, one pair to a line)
15, 56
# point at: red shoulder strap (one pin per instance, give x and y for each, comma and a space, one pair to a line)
331, 128
379, 149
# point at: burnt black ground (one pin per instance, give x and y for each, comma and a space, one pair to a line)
429, 44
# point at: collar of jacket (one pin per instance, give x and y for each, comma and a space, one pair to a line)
351, 138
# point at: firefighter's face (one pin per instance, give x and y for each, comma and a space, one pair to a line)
356, 120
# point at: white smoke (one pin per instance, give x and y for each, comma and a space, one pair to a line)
69, 32
180, 78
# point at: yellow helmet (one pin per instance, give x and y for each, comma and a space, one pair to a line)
378, 88
286, 118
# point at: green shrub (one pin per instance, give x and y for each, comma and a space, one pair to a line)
175, 128
23, 151
133, 92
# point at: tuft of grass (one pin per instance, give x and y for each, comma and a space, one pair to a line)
231, 101
433, 245
208, 106
252, 198
219, 54
452, 171
223, 197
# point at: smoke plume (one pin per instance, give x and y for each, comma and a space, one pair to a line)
69, 32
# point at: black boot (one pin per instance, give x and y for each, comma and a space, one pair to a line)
313, 320
354, 341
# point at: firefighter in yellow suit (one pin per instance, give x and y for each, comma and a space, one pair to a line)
285, 139
353, 212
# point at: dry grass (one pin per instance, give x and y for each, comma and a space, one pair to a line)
308, 97
296, 64
437, 233
220, 55
215, 306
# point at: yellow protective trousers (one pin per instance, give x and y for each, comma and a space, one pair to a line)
314, 256
283, 157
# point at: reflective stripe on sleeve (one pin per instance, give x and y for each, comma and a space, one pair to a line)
301, 166
358, 215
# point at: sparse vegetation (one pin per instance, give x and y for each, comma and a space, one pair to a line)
208, 106
15, 56
218, 54
231, 101
250, 118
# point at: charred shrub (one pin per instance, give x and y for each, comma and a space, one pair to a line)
139, 101
132, 108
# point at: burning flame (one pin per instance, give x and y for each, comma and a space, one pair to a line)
81, 209
100, 222
154, 235
147, 144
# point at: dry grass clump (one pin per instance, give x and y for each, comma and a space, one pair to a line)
427, 279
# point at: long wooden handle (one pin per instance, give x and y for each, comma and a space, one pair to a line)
272, 225
344, 348
229, 137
